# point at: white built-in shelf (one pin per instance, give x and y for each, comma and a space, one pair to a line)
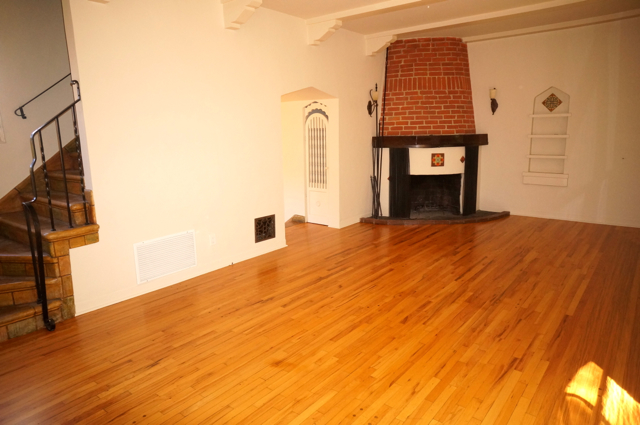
545, 179
548, 139
549, 115
547, 156
547, 175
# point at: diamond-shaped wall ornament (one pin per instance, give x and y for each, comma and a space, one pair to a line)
437, 160
552, 102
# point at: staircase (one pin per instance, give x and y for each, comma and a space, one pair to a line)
19, 311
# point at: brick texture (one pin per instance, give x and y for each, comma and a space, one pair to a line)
428, 88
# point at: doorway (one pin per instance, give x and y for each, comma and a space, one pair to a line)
317, 188
310, 156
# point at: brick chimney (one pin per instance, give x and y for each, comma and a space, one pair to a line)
428, 88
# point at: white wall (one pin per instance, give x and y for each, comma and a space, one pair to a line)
293, 158
598, 67
183, 125
33, 56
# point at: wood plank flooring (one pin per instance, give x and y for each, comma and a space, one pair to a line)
516, 321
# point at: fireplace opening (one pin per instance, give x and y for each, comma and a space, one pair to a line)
435, 195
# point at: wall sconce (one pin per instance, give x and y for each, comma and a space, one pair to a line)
494, 102
373, 103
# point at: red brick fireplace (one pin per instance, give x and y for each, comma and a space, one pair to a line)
427, 104
428, 88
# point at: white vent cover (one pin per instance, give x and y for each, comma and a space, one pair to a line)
166, 255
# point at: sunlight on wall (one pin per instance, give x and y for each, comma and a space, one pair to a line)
618, 407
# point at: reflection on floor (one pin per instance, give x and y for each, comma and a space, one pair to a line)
584, 396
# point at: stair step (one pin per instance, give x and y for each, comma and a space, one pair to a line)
22, 319
15, 261
59, 206
17, 290
20, 312
74, 185
13, 226
73, 175
16, 252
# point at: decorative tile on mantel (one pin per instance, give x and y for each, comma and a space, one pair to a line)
437, 160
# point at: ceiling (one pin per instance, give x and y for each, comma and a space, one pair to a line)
471, 20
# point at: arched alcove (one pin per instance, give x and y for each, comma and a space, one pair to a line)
310, 149
548, 139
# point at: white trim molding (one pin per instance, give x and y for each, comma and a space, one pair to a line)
374, 45
317, 33
238, 12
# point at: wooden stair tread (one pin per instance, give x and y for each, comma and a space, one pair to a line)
15, 251
11, 280
15, 313
63, 231
14, 283
71, 175
58, 199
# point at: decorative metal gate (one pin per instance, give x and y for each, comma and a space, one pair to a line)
317, 151
316, 124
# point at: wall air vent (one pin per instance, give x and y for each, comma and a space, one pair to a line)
265, 228
166, 255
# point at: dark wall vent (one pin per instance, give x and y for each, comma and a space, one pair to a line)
265, 228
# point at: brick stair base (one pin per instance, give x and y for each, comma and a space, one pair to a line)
26, 318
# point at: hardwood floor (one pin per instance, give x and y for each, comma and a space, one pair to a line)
516, 321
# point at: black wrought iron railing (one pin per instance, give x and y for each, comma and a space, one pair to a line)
37, 257
31, 215
20, 111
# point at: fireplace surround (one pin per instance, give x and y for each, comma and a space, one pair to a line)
400, 167
427, 104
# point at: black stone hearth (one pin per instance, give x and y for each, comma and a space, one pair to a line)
444, 218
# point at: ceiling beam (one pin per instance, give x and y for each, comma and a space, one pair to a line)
316, 25
372, 9
237, 12
476, 18
557, 26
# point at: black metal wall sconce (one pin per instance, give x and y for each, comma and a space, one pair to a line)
494, 102
372, 106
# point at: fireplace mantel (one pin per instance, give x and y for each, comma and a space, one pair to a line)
430, 141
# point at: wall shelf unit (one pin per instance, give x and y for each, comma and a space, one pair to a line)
548, 139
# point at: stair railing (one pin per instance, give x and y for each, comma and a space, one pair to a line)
37, 257
31, 215
38, 134
20, 111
